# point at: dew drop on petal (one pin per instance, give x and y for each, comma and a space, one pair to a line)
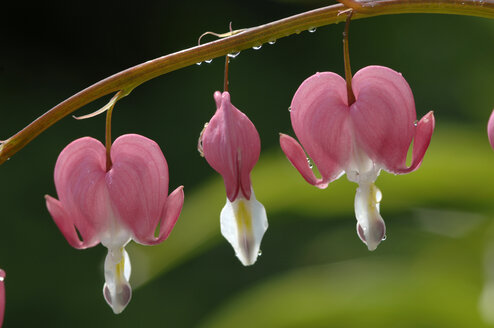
257, 47
311, 30
384, 238
259, 253
309, 162
209, 61
415, 123
290, 109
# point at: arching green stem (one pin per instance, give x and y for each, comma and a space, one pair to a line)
134, 76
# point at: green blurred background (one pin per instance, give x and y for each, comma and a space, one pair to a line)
436, 268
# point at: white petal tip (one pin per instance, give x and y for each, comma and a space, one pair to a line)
117, 290
243, 224
370, 225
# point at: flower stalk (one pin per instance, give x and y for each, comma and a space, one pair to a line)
346, 59
134, 76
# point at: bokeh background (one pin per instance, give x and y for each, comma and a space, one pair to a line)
436, 268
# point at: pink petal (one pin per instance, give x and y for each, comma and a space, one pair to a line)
80, 184
171, 212
421, 141
296, 156
65, 224
231, 146
2, 296
320, 119
138, 183
383, 115
490, 129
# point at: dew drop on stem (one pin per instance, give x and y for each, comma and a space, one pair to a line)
312, 30
257, 47
234, 54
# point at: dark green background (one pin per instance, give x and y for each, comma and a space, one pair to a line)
314, 271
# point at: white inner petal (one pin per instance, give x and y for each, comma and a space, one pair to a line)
370, 225
117, 290
361, 168
243, 224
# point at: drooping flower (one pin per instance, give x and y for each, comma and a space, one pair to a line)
130, 201
373, 133
231, 145
490, 129
2, 296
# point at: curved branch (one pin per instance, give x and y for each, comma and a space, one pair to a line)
134, 76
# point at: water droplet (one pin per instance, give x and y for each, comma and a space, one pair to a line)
384, 238
415, 123
272, 41
234, 54
309, 162
259, 253
311, 30
257, 47
290, 109
209, 61
199, 63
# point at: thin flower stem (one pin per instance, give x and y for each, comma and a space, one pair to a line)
226, 83
108, 138
346, 59
134, 76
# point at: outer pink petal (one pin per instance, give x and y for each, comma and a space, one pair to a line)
80, 184
171, 212
231, 146
138, 183
2, 296
383, 115
490, 129
421, 141
64, 222
296, 156
320, 119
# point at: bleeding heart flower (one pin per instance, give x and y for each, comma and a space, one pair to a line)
231, 145
371, 134
130, 201
490, 129
2, 296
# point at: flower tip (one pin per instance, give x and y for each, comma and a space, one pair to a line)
247, 259
373, 235
118, 302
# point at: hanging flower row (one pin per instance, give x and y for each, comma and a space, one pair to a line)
118, 192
